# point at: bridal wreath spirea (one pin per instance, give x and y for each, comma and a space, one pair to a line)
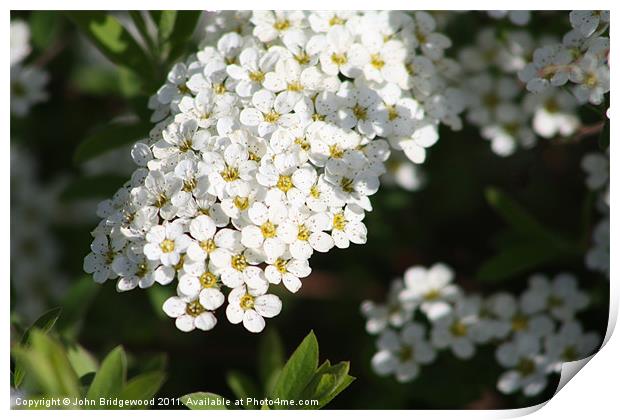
268, 143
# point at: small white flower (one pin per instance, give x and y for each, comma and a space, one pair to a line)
249, 307
269, 113
189, 314
588, 21
570, 343
104, 251
27, 88
431, 289
392, 313
270, 25
166, 243
20, 41
559, 297
347, 226
288, 272
528, 368
459, 329
202, 229
402, 354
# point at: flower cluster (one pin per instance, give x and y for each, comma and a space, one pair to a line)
27, 81
268, 143
534, 333
581, 58
506, 114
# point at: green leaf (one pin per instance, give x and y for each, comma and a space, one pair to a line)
45, 361
518, 259
143, 387
92, 186
515, 215
298, 370
178, 41
270, 359
204, 401
112, 39
243, 387
110, 137
44, 26
327, 383
81, 360
110, 378
165, 24
44, 323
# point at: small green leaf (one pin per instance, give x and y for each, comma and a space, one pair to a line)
243, 387
110, 378
327, 383
204, 401
165, 24
110, 137
518, 259
44, 323
270, 359
515, 215
93, 186
298, 370
143, 387
44, 26
46, 362
81, 360
112, 39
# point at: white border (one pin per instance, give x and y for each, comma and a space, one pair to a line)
595, 391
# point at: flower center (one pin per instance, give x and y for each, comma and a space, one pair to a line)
219, 88
208, 246
238, 262
392, 112
256, 76
271, 117
194, 308
570, 354
336, 20
303, 144
360, 112
268, 229
230, 174
376, 61
347, 185
525, 367
284, 183
246, 302
179, 265
339, 222
554, 301
162, 199
208, 279
303, 233
185, 145
405, 353
432, 294
282, 25
189, 185
280, 265
315, 192
167, 245
183, 89
339, 59
142, 270
519, 322
294, 87
458, 329
242, 203
318, 117
302, 58
335, 151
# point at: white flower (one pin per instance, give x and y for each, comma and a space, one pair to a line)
459, 328
554, 113
27, 88
517, 17
592, 78
347, 226
507, 309
189, 314
430, 290
270, 25
510, 129
336, 56
402, 354
570, 343
550, 67
598, 257
528, 368
202, 229
292, 82
134, 269
361, 107
175, 87
269, 112
20, 41
596, 165
166, 243
104, 251
263, 233
251, 70
559, 297
249, 307
392, 313
414, 147
588, 21
288, 272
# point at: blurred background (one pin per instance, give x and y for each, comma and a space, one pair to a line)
73, 92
